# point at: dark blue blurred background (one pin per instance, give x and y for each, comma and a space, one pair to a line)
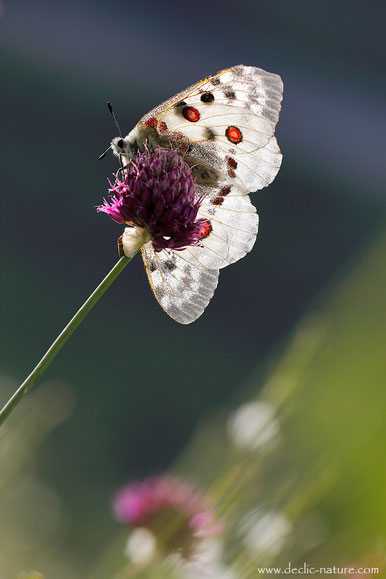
142, 382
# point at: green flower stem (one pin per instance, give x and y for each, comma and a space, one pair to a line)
62, 338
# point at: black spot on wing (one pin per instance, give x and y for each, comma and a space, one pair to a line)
207, 97
230, 94
169, 265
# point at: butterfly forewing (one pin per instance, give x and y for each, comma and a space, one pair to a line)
229, 121
260, 91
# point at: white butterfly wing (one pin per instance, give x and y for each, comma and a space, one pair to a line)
228, 120
182, 286
234, 220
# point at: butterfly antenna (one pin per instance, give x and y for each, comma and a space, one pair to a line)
116, 124
104, 153
114, 118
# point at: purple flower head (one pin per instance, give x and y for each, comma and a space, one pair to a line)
157, 194
175, 512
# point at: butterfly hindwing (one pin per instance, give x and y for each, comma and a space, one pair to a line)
234, 219
182, 285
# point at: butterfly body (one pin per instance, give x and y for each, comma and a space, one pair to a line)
223, 127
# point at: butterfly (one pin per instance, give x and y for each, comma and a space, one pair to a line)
223, 127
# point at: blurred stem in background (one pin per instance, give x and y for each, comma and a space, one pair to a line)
62, 338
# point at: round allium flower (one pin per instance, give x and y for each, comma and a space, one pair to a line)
157, 197
175, 512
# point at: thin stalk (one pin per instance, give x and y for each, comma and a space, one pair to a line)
62, 338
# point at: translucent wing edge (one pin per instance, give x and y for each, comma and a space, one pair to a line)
184, 290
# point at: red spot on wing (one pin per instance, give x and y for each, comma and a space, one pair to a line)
205, 229
152, 122
231, 163
217, 200
234, 135
191, 114
224, 191
162, 127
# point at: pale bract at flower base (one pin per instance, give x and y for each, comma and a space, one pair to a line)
132, 240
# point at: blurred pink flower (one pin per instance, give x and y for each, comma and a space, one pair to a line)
174, 511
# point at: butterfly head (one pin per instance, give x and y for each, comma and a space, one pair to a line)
119, 146
126, 146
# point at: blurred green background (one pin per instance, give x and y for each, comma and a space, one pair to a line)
300, 322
